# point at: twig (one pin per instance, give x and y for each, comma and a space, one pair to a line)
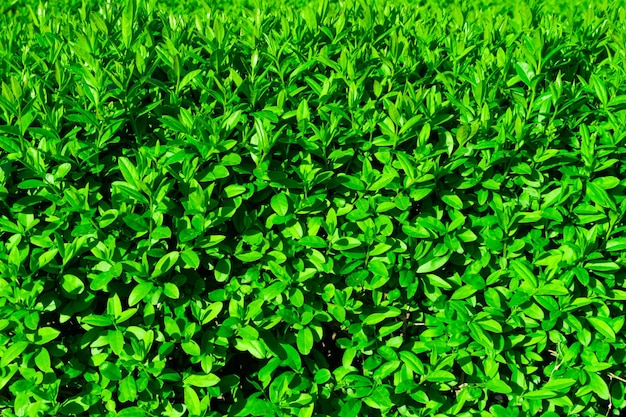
613, 376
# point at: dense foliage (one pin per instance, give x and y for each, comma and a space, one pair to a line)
341, 209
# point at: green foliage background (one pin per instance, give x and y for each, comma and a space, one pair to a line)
333, 209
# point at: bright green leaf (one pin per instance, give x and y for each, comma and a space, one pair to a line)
603, 328
305, 340
171, 290
433, 264
192, 401
42, 360
280, 204
164, 264
498, 386
203, 381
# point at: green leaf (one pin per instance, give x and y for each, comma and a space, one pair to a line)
322, 376
42, 360
433, 264
10, 146
47, 257
46, 334
350, 182
252, 256
377, 267
607, 183
541, 394
490, 325
174, 124
192, 401
453, 201
554, 287
480, 336
599, 386
499, 386
128, 392
233, 190
139, 293
255, 347
191, 348
8, 226
379, 399
62, 170
171, 290
110, 371
338, 312
384, 180
600, 89
248, 332
412, 362
440, 376
188, 78
72, 284
304, 341
31, 184
303, 112
346, 243
129, 172
136, 222
191, 258
13, 352
559, 384
131, 412
203, 381
525, 72
438, 282
616, 245
523, 271
463, 292
313, 242
164, 264
127, 190
280, 204
116, 341
257, 407
222, 270
114, 306
161, 232
128, 16
602, 266
376, 318
603, 327
107, 218
171, 327
97, 320
599, 196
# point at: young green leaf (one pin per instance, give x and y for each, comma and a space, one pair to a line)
192, 401
12, 352
305, 340
128, 17
164, 264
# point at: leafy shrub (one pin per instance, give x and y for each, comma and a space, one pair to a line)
335, 209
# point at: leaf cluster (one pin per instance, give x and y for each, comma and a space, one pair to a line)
346, 209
